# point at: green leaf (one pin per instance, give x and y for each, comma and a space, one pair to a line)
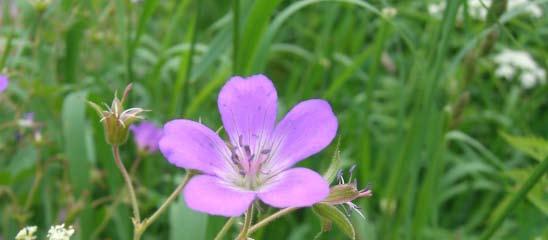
329, 214
538, 194
24, 159
256, 26
185, 223
78, 149
5, 178
76, 146
535, 147
335, 164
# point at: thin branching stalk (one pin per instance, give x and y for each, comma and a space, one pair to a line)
271, 218
135, 165
225, 229
127, 179
247, 224
533, 179
35, 184
141, 227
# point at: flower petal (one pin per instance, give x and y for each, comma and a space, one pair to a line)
296, 187
211, 195
248, 109
191, 145
3, 83
146, 135
307, 129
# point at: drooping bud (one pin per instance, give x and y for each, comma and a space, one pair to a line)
347, 191
344, 193
116, 121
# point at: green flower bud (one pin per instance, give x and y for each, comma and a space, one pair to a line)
116, 120
345, 193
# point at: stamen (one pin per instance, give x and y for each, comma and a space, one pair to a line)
247, 150
351, 171
265, 151
241, 140
235, 159
340, 176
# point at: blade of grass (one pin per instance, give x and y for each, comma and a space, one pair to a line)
533, 179
180, 88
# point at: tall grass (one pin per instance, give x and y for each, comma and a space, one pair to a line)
420, 124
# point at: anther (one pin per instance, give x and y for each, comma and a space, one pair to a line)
247, 150
241, 140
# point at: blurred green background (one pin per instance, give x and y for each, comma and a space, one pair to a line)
421, 109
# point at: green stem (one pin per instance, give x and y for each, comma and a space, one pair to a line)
225, 229
35, 184
127, 179
247, 224
235, 35
538, 172
271, 218
140, 228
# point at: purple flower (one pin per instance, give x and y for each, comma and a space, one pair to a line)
3, 83
27, 121
258, 160
147, 135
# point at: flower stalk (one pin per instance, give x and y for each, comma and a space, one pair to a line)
271, 218
247, 224
141, 227
127, 179
225, 229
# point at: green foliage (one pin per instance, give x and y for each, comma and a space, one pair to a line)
535, 147
420, 109
329, 215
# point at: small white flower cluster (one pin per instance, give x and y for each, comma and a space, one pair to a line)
58, 232
27, 233
389, 12
477, 9
513, 62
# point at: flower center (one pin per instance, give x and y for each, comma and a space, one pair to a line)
249, 163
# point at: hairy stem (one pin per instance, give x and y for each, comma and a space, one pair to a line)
127, 179
247, 224
135, 165
271, 218
140, 228
225, 229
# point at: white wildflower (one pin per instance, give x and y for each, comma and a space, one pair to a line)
389, 12
528, 80
26, 233
59, 232
436, 9
478, 9
506, 71
513, 62
528, 7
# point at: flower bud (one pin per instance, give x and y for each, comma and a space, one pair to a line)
344, 193
40, 5
116, 120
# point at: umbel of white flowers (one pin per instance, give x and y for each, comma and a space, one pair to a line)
515, 63
477, 9
57, 232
